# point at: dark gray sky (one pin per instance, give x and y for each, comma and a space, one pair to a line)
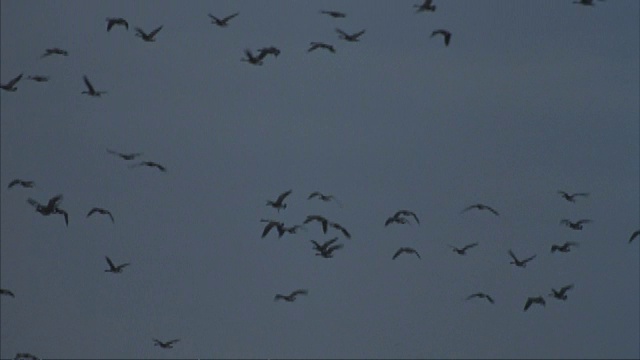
531, 97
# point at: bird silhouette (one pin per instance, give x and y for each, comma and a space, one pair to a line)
634, 235
463, 251
481, 295
520, 263
150, 37
224, 21
324, 197
443, 32
10, 86
38, 78
481, 207
396, 220
149, 164
566, 247
575, 225
62, 212
91, 91
25, 356
328, 252
7, 292
54, 51
116, 21
324, 246
407, 250
334, 14
115, 269
427, 5
350, 37
320, 45
48, 209
23, 183
102, 212
571, 197
291, 297
561, 294
320, 219
534, 300
279, 203
585, 2
251, 59
342, 229
129, 156
270, 225
165, 344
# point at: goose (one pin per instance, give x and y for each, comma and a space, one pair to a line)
62, 212
325, 245
25, 356
352, 38
328, 252
101, 211
291, 297
566, 247
115, 269
23, 183
271, 224
271, 50
320, 45
321, 219
407, 213
481, 295
38, 78
7, 292
463, 250
534, 300
116, 21
253, 60
520, 263
634, 235
129, 156
407, 250
224, 21
91, 91
149, 164
55, 51
342, 229
324, 197
150, 37
571, 197
10, 86
575, 225
427, 5
334, 14
165, 344
481, 207
48, 209
445, 33
278, 204
561, 294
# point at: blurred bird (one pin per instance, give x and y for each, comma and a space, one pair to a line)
7, 292
325, 245
427, 5
566, 247
129, 156
10, 86
575, 225
116, 21
560, 295
23, 183
25, 356
291, 297
38, 78
324, 197
62, 212
251, 59
279, 204
271, 50
48, 209
328, 251
101, 211
463, 251
481, 207
115, 269
91, 91
534, 300
480, 295
224, 21
443, 32
320, 45
520, 263
271, 224
55, 51
352, 38
342, 229
334, 14
634, 235
407, 250
149, 164
150, 37
321, 219
571, 197
165, 345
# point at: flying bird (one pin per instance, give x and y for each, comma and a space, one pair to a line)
427, 5
115, 269
534, 300
320, 45
291, 297
407, 213
480, 295
481, 207
321, 219
397, 220
407, 250
149, 164
323, 197
116, 21
321, 248
271, 224
62, 212
10, 86
7, 293
561, 294
271, 50
48, 209
38, 78
443, 32
634, 235
101, 211
463, 250
251, 59
585, 2
166, 344
566, 247
327, 252
55, 51
150, 37
352, 38
224, 21
342, 229
575, 225
23, 183
520, 263
91, 91
279, 204
334, 14
571, 197
129, 156
25, 356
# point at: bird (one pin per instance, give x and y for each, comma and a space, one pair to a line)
10, 86
149, 164
427, 5
150, 37
407, 213
292, 229
129, 156
38, 78
271, 224
291, 297
101, 211
115, 269
23, 183
334, 14
634, 235
585, 2
325, 245
339, 227
278, 204
571, 197
48, 209
561, 294
398, 220
321, 219
566, 247
25, 356
520, 263
7, 293
463, 250
445, 33
62, 212
534, 300
480, 295
323, 197
116, 21
407, 250
320, 45
575, 225
271, 50
251, 59
481, 207
224, 21
165, 344
328, 252
55, 51
352, 38
91, 91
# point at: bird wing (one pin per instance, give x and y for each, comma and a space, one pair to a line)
14, 182
172, 341
565, 222
398, 252
110, 23
141, 32
581, 194
342, 33
565, 288
111, 216
329, 242
268, 228
634, 235
528, 304
489, 298
315, 193
584, 221
317, 246
470, 206
14, 80
469, 246
33, 202
344, 231
279, 296
473, 296
230, 17
334, 247
111, 265
283, 195
154, 32
54, 201
92, 211
491, 209
513, 256
88, 83
299, 292
529, 258
213, 17
160, 167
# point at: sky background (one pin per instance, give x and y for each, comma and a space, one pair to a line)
529, 98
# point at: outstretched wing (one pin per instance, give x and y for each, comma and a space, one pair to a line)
172, 341
111, 265
356, 35
565, 288
329, 242
469, 246
154, 32
88, 84
491, 209
513, 256
528, 304
342, 33
634, 235
584, 221
269, 227
14, 183
54, 201
283, 195
581, 194
33, 202
529, 258
299, 292
314, 194
230, 17
14, 80
141, 32
400, 251
344, 231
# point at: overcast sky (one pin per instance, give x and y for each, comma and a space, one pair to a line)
529, 98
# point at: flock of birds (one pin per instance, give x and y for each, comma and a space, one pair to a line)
324, 249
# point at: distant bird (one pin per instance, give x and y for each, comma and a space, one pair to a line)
150, 37
279, 204
481, 207
7, 292
575, 225
342, 229
10, 86
585, 2
566, 247
323, 197
116, 21
427, 5
149, 164
352, 38
292, 229
55, 51
480, 295
334, 14
320, 45
397, 220
561, 294
271, 50
101, 211
463, 250
166, 344
407, 250
23, 183
251, 59
115, 269
326, 250
271, 224
25, 356
91, 91
62, 212
224, 21
445, 33
321, 219
571, 197
407, 213
129, 156
534, 300
48, 209
634, 235
325, 245
38, 78
520, 263
291, 297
